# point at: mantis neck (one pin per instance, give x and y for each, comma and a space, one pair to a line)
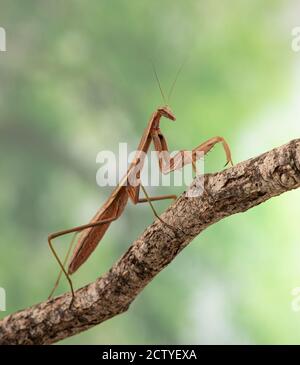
155, 120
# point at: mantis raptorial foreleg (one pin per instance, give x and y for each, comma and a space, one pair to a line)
184, 157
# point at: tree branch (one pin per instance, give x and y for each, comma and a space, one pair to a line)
231, 191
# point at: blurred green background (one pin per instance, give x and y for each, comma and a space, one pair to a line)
76, 80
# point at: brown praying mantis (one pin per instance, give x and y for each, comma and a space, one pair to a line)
93, 232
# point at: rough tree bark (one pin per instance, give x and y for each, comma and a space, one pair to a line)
231, 191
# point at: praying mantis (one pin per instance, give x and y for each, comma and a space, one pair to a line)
93, 232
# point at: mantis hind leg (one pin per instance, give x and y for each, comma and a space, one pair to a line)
64, 264
67, 231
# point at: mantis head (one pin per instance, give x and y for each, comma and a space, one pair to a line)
166, 112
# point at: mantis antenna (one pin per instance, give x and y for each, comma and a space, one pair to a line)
166, 101
158, 82
176, 78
